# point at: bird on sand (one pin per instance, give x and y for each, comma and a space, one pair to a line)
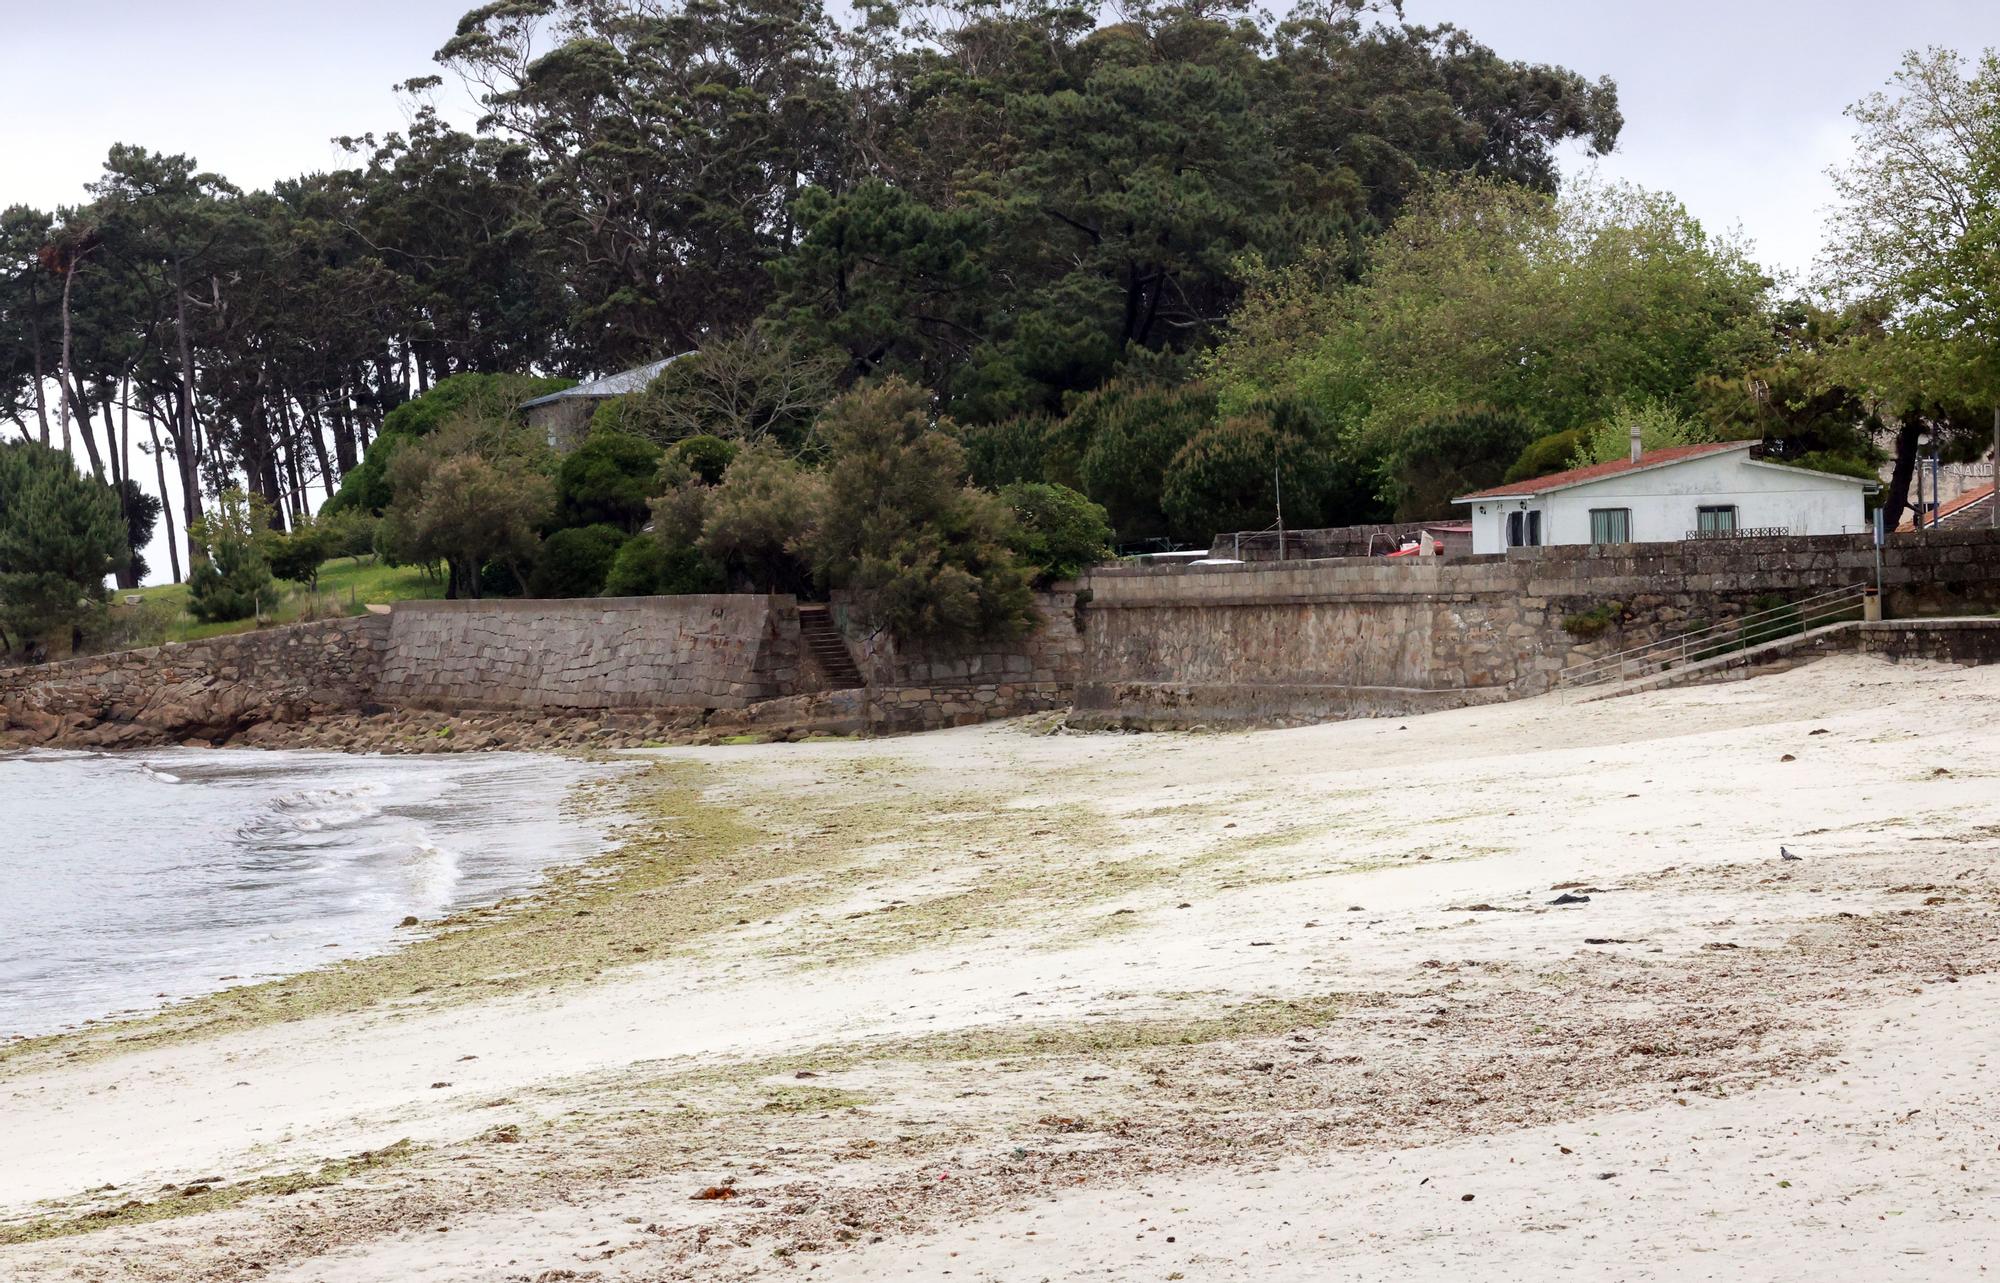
1785, 853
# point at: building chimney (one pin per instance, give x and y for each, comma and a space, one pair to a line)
1636, 450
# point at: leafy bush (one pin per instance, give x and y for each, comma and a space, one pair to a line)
700, 459
230, 578
647, 566
1223, 479
465, 496
490, 397
755, 524
896, 518
607, 479
349, 534
1545, 455
1660, 427
298, 555
1116, 443
1000, 454
1451, 455
61, 533
574, 562
1057, 532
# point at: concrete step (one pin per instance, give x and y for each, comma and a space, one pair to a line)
828, 648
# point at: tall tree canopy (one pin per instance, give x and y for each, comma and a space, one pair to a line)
1008, 203
1916, 253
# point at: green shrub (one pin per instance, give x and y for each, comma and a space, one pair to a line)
1592, 623
1224, 478
648, 567
1058, 532
1454, 454
607, 480
1000, 454
701, 459
230, 578
1117, 443
366, 486
1660, 426
60, 534
575, 562
298, 555
895, 517
1545, 455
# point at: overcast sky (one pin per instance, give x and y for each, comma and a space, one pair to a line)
1733, 105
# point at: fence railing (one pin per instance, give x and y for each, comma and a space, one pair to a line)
1742, 532
1720, 638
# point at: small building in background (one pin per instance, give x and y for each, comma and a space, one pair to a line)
564, 417
1719, 490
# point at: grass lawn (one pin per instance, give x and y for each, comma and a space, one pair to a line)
346, 586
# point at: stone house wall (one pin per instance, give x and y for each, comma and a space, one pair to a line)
201, 690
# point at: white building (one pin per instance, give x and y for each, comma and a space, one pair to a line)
1683, 492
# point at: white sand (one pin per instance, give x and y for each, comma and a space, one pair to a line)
1468, 1044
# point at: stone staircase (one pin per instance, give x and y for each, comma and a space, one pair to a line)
828, 648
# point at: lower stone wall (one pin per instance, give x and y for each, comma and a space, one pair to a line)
1048, 654
206, 690
1944, 641
708, 651
1258, 644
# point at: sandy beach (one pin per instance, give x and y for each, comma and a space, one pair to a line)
1001, 1004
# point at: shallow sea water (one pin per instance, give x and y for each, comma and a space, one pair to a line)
129, 880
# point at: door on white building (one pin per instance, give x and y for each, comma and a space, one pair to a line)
1524, 529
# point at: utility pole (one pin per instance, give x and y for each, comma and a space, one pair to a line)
1278, 490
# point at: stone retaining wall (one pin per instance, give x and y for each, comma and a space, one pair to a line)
706, 651
204, 690
892, 710
1049, 654
1177, 646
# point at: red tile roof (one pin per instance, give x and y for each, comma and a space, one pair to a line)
1597, 471
1969, 509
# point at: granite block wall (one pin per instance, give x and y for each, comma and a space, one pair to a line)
708, 651
1047, 655
1167, 646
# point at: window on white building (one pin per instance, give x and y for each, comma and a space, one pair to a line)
1524, 529
1719, 519
1611, 525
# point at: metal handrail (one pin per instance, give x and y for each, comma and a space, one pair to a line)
1714, 639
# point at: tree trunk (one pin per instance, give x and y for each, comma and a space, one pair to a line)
1897, 501
120, 450
344, 451
69, 280
166, 508
41, 369
87, 432
189, 446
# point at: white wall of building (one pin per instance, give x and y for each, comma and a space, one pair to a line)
1664, 501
